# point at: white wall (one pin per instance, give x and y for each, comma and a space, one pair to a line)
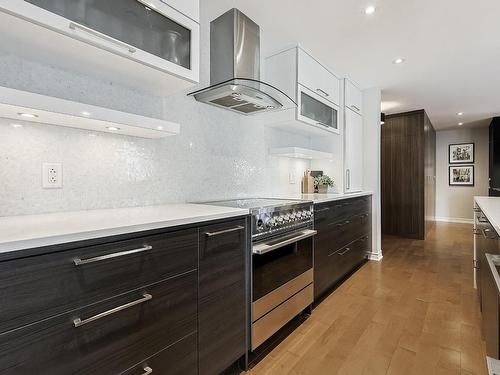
217, 155
454, 203
371, 163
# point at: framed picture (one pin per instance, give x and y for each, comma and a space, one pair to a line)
461, 175
462, 153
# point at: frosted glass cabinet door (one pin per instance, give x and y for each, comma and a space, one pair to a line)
317, 111
128, 21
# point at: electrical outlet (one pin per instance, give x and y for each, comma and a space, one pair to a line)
291, 178
52, 176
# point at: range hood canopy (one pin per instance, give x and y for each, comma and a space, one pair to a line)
235, 69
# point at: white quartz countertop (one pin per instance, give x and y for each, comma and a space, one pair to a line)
32, 231
490, 206
322, 198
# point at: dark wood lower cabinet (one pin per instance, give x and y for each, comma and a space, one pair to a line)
222, 296
176, 306
107, 345
342, 242
180, 358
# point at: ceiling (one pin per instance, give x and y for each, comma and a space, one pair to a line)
451, 49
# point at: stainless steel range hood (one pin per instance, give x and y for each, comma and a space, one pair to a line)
235, 69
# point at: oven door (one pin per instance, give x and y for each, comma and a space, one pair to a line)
282, 282
278, 262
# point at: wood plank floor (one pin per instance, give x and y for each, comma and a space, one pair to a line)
416, 312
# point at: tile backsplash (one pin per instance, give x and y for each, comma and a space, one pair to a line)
217, 155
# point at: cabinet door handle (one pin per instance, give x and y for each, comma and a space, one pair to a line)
344, 223
78, 322
79, 261
323, 124
218, 233
322, 210
75, 26
347, 249
147, 370
355, 108
323, 92
348, 179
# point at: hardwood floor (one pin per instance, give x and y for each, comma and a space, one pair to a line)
416, 312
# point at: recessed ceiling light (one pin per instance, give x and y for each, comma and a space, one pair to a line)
112, 128
28, 115
16, 125
370, 9
399, 60
460, 113
159, 127
85, 113
460, 123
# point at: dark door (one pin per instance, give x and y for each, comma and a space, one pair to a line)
222, 296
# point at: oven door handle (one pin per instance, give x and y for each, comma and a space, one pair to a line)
263, 248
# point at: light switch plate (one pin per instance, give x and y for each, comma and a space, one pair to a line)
52, 176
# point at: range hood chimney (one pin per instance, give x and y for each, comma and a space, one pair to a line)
235, 69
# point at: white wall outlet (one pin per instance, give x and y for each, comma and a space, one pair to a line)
291, 178
52, 176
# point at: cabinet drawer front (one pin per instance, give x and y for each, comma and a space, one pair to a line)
222, 296
331, 212
349, 257
178, 359
344, 232
113, 340
39, 287
353, 97
317, 78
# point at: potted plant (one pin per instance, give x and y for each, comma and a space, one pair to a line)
321, 183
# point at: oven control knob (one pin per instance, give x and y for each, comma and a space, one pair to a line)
286, 218
293, 217
280, 219
308, 213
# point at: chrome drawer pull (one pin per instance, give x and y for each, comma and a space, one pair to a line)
236, 229
75, 26
322, 210
79, 262
323, 92
78, 322
147, 370
262, 248
347, 249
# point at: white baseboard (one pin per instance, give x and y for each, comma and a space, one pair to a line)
454, 220
375, 256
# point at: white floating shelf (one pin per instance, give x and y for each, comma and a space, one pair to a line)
26, 106
300, 153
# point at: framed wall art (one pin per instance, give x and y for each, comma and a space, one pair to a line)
462, 153
461, 175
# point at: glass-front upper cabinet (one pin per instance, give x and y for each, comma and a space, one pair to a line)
315, 110
151, 32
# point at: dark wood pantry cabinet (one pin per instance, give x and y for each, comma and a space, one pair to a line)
169, 301
342, 241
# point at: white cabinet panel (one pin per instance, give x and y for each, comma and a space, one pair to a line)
353, 97
155, 36
190, 8
315, 110
317, 78
353, 151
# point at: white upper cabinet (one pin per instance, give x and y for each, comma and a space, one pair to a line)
353, 97
190, 8
308, 83
139, 41
353, 134
317, 78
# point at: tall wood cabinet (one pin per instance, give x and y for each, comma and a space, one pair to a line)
408, 174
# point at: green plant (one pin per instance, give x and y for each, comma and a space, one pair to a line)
323, 180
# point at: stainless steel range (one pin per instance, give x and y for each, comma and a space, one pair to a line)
282, 261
